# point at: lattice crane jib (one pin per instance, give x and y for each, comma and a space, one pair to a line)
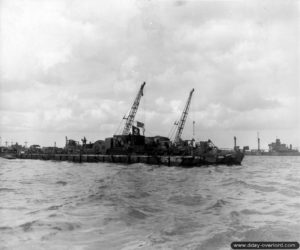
133, 110
183, 117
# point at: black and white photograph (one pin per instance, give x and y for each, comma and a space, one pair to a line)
147, 124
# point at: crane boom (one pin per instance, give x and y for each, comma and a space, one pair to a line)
183, 118
132, 113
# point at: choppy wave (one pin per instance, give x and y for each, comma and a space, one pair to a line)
61, 205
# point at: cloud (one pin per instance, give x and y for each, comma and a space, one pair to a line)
69, 66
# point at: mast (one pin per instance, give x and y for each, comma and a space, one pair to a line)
183, 118
258, 142
132, 113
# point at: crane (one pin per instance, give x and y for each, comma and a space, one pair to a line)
132, 113
183, 117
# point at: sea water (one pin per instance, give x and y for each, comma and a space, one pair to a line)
64, 205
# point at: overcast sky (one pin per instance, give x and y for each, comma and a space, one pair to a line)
73, 68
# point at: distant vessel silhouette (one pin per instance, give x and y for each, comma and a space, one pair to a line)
278, 148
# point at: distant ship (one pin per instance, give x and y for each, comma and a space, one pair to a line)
275, 149
278, 148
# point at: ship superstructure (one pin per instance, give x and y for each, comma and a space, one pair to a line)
278, 148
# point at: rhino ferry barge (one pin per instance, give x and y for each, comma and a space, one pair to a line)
131, 147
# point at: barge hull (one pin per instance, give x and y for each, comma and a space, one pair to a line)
182, 161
